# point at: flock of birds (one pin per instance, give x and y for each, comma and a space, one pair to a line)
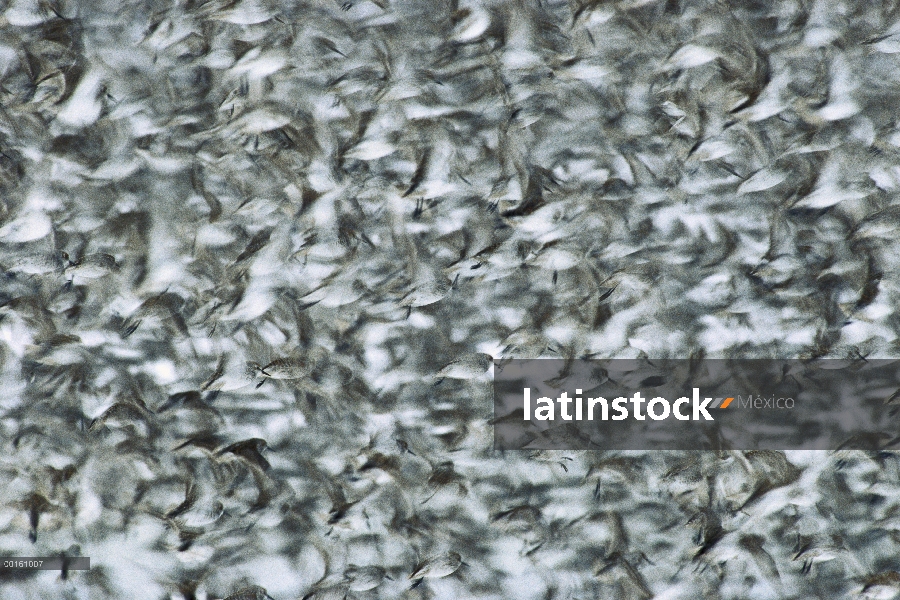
257, 257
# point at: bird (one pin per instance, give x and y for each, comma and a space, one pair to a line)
470, 24
92, 266
437, 566
471, 366
425, 292
550, 456
327, 592
753, 544
35, 263
249, 450
814, 550
253, 592
133, 415
191, 495
162, 310
771, 470
709, 530
520, 519
525, 344
619, 570
361, 579
325, 45
231, 373
72, 551
442, 475
193, 400
881, 586
29, 226
36, 505
56, 349
287, 368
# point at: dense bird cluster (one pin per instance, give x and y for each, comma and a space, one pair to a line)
257, 256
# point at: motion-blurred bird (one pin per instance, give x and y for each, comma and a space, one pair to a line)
327, 592
36, 505
442, 476
812, 551
92, 266
30, 226
232, 372
249, 450
253, 592
425, 292
162, 310
287, 368
882, 586
437, 566
473, 366
361, 579
34, 263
